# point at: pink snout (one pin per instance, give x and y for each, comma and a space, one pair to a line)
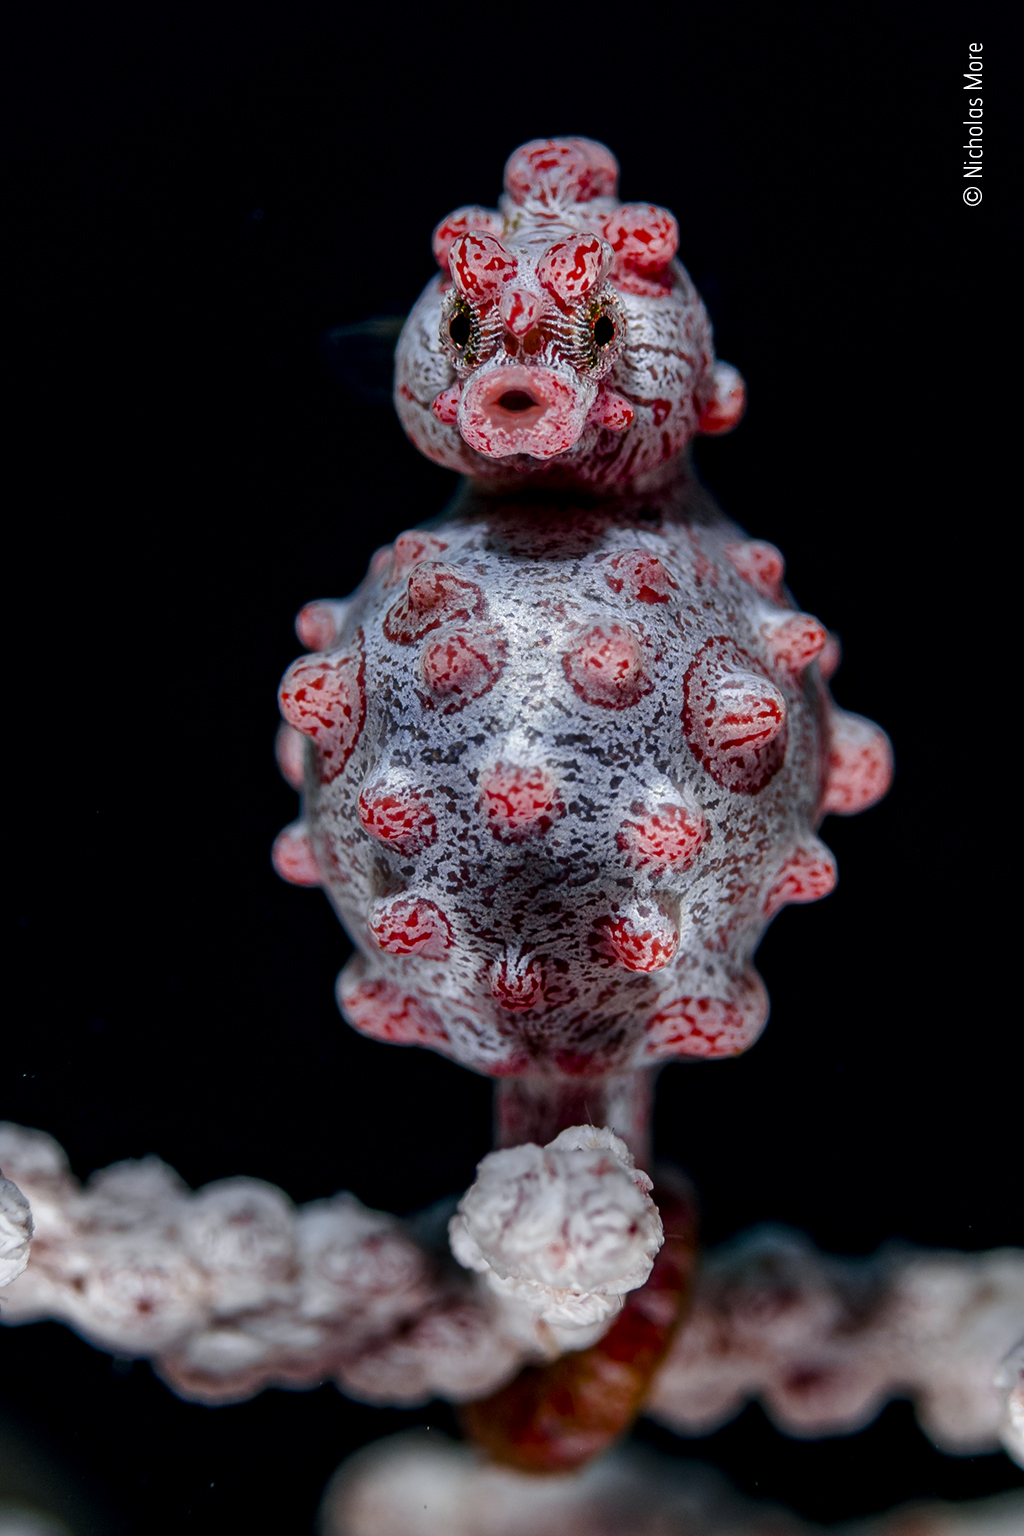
513, 408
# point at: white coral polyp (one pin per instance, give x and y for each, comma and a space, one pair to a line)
567, 1229
242, 1232
15, 1231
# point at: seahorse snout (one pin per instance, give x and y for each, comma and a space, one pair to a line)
513, 408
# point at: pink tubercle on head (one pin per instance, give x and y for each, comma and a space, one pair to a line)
725, 403
794, 643
381, 1009
520, 309
611, 410
434, 595
555, 172
518, 802
324, 698
481, 267
290, 752
464, 221
644, 240
572, 269
513, 408
709, 1026
445, 406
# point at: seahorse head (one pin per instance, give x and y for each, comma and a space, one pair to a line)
561, 341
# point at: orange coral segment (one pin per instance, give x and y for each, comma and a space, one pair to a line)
556, 1417
859, 769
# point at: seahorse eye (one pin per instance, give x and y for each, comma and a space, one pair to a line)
604, 330
459, 328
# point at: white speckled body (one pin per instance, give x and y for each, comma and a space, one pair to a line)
536, 908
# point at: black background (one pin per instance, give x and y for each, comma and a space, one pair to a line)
200, 193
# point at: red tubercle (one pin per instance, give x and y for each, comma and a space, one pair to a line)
434, 595
611, 410
760, 564
409, 550
399, 818
293, 857
734, 717
859, 764
830, 657
519, 803
484, 221
795, 642
445, 406
640, 575
324, 697
381, 1010
520, 310
411, 925
290, 754
807, 875
725, 405
642, 940
571, 269
481, 267
606, 666
557, 172
517, 982
707, 1026
319, 624
461, 666
644, 240
669, 837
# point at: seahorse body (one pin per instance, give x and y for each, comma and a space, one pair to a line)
568, 746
